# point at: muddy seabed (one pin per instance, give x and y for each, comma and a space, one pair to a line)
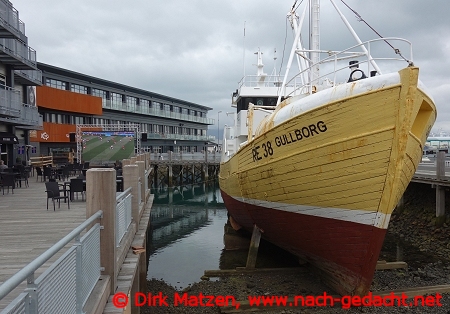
414, 225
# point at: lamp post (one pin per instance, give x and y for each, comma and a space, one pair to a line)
218, 129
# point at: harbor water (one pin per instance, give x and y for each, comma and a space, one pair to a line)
187, 238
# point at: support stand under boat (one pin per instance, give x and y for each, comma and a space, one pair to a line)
253, 249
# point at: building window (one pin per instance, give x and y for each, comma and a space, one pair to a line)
144, 102
99, 93
131, 102
79, 89
55, 83
116, 98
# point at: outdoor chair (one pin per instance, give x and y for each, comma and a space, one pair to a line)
8, 180
54, 192
23, 175
70, 170
76, 186
63, 173
48, 173
39, 174
66, 173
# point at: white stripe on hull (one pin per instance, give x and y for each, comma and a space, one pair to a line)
370, 218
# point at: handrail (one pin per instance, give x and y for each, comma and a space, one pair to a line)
29, 269
123, 214
123, 194
332, 56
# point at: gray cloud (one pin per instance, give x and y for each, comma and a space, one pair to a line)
193, 50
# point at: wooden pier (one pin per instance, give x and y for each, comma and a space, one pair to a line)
435, 175
28, 229
173, 169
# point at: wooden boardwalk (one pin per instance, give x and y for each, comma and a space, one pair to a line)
27, 229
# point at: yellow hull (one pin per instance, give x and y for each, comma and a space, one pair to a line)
349, 160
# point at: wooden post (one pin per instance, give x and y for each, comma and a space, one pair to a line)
440, 190
126, 162
155, 176
130, 179
205, 172
253, 249
101, 195
170, 196
170, 175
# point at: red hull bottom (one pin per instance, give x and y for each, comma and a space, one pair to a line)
345, 252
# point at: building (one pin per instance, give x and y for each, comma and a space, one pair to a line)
19, 75
67, 99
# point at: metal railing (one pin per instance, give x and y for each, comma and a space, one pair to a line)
213, 157
66, 285
338, 63
19, 50
123, 214
29, 115
11, 17
10, 103
140, 200
122, 106
32, 75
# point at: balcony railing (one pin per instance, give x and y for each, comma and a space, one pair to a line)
9, 18
32, 76
115, 105
21, 54
10, 104
29, 116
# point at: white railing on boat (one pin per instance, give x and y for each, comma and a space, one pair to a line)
339, 71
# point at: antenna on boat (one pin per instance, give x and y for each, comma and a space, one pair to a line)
243, 58
315, 38
274, 72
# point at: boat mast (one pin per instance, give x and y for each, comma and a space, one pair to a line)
315, 38
261, 76
292, 18
297, 24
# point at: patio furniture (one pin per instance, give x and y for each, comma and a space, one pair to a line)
8, 180
22, 175
54, 192
39, 174
77, 186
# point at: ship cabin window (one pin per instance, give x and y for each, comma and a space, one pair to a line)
244, 102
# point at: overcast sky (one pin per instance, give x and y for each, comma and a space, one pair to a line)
194, 50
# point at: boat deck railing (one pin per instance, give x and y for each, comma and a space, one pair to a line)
335, 64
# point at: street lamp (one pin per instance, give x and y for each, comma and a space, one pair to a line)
218, 129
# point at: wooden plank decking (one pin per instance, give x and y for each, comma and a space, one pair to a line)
27, 229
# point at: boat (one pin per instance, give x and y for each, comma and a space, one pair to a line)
317, 160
